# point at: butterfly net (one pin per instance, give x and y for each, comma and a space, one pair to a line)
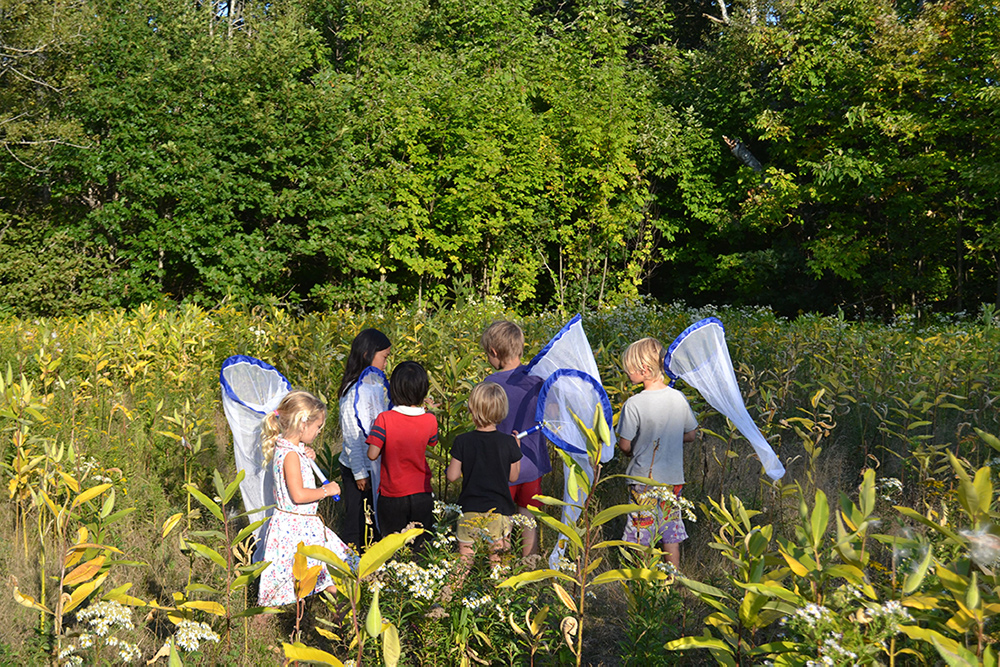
250, 389
700, 357
572, 386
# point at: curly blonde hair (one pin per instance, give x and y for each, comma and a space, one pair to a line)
296, 409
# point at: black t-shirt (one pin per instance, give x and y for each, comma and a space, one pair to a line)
486, 458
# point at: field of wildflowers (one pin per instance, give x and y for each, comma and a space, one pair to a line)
123, 538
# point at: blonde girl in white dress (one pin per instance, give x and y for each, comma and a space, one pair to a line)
285, 434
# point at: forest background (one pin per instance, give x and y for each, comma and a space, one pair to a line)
565, 154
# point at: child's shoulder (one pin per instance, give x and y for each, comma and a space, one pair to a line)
654, 397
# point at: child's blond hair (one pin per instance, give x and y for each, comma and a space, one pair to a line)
488, 404
646, 353
296, 410
505, 338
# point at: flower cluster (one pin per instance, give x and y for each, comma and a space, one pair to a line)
103, 617
445, 512
888, 487
418, 581
523, 521
566, 565
190, 634
473, 602
812, 614
654, 495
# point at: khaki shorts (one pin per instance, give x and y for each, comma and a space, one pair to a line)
487, 527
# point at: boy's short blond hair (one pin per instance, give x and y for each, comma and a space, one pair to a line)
488, 404
505, 338
644, 353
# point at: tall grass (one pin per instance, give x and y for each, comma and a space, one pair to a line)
131, 391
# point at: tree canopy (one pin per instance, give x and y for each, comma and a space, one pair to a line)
552, 154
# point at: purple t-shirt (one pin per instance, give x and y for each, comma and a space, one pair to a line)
522, 397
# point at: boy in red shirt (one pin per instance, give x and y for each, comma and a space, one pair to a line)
401, 437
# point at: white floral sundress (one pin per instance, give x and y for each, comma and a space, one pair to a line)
289, 525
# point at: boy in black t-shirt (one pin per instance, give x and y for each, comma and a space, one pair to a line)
487, 461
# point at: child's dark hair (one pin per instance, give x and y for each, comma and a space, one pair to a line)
363, 350
408, 384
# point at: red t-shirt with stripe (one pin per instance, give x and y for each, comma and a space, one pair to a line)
404, 440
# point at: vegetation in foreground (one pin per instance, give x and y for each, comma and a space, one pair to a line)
123, 538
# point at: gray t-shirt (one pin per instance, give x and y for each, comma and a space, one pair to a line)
656, 421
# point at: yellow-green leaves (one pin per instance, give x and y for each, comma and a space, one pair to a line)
302, 653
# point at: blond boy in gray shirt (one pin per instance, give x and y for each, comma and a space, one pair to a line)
652, 428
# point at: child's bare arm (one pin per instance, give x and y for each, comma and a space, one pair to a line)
625, 445
299, 494
454, 471
515, 471
691, 436
373, 452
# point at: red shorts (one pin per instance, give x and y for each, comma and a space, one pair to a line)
523, 493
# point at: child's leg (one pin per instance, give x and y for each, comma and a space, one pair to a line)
393, 514
523, 495
422, 512
529, 536
673, 551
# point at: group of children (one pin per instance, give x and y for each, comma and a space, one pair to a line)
501, 475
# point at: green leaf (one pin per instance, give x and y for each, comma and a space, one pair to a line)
206, 552
207, 502
615, 511
820, 518
383, 550
704, 642
917, 516
302, 653
391, 649
257, 611
89, 494
535, 575
233, 487
246, 532
916, 577
628, 574
560, 527
989, 439
220, 487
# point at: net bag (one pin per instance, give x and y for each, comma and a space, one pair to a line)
572, 385
700, 357
565, 393
250, 389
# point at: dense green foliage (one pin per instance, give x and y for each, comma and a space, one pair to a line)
561, 154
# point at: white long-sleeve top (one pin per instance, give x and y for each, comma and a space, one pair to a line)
355, 451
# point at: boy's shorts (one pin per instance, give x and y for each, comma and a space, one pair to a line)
662, 519
523, 494
488, 527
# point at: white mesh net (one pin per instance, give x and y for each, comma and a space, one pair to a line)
572, 386
251, 389
700, 357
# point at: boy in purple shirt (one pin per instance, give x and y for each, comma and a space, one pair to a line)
503, 342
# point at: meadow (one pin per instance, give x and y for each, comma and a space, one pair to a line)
122, 537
